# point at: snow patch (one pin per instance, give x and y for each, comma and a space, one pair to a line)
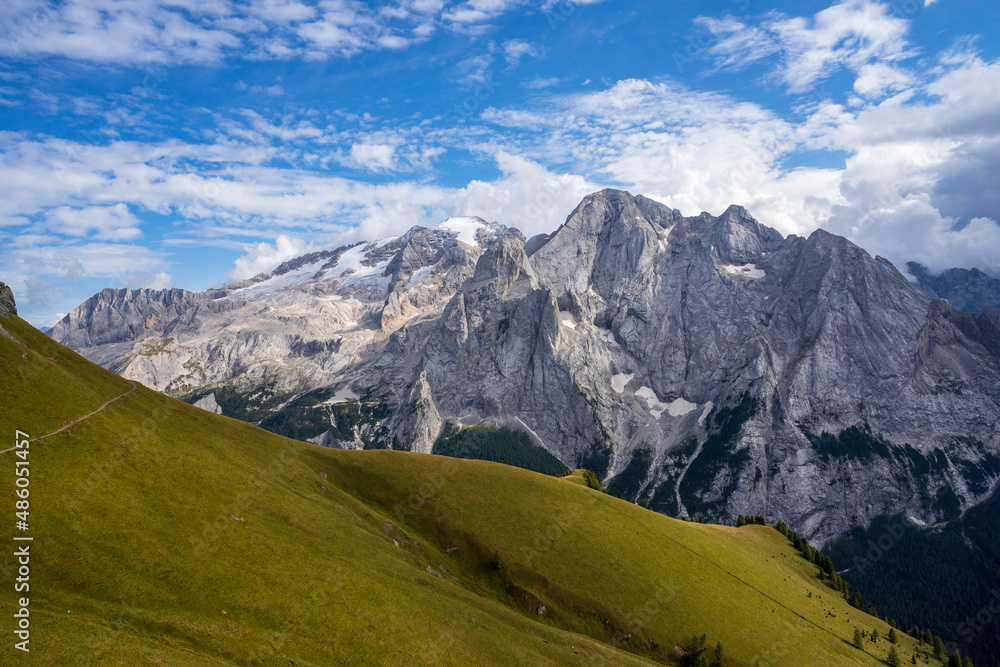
704, 413
567, 320
343, 396
296, 277
916, 520
619, 381
351, 270
663, 239
677, 408
466, 229
652, 402
609, 338
420, 274
745, 271
680, 407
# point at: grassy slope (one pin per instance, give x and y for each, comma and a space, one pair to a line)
153, 517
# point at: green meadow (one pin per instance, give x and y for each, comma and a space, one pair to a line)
167, 535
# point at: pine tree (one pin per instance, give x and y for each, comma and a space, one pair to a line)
893, 637
696, 654
875, 635
955, 659
966, 662
740, 521
938, 648
894, 658
858, 639
720, 658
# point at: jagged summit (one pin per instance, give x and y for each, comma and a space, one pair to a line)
701, 365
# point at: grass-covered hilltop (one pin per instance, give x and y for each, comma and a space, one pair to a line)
164, 534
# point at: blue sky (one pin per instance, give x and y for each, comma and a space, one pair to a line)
191, 143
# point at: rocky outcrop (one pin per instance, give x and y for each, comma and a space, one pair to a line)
208, 403
7, 305
702, 365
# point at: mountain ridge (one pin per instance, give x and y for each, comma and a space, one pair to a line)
735, 367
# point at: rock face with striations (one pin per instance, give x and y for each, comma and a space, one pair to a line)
702, 365
7, 305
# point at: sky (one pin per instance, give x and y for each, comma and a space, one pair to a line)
192, 143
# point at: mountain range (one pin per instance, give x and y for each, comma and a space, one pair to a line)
700, 365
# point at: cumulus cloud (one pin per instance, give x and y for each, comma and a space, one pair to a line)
159, 280
265, 257
528, 196
374, 157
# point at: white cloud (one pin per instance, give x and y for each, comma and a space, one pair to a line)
265, 257
851, 34
71, 261
516, 49
549, 5
475, 69
110, 223
540, 82
393, 42
480, 11
528, 196
876, 80
159, 280
146, 32
374, 157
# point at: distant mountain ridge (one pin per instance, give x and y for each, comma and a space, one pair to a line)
701, 365
970, 290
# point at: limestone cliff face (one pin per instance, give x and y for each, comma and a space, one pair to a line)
7, 305
701, 364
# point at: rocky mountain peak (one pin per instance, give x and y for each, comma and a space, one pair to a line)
739, 238
503, 265
7, 305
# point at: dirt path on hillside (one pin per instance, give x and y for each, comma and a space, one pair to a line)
77, 421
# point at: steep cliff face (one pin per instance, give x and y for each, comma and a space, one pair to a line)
702, 365
7, 305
